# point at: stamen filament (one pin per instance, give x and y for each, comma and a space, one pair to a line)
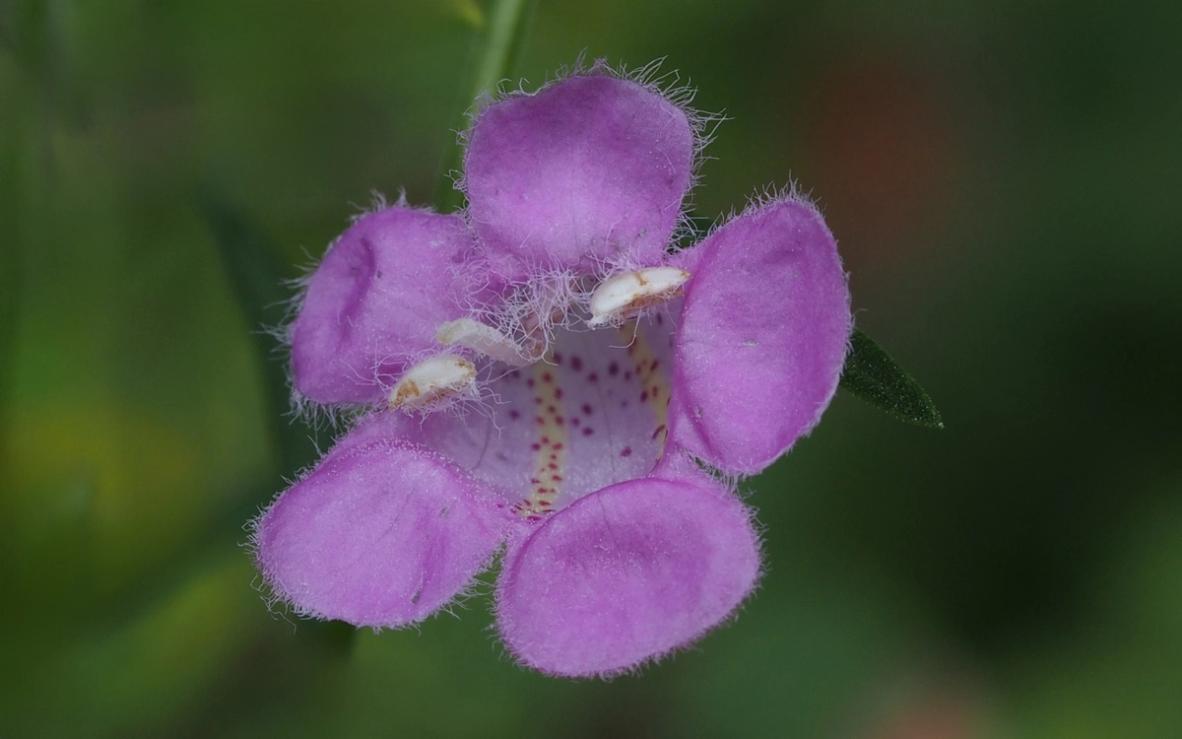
482, 338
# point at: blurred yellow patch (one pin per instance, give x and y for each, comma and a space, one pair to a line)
123, 483
468, 11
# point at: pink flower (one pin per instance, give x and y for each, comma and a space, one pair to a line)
550, 379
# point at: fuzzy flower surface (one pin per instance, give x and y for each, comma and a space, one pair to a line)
543, 376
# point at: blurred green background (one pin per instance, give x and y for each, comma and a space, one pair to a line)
1003, 178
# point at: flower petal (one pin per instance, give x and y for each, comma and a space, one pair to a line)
375, 300
625, 575
762, 337
382, 533
590, 169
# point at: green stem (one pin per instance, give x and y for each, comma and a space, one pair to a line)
499, 42
502, 48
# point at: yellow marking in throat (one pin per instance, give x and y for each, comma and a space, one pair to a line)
550, 444
654, 383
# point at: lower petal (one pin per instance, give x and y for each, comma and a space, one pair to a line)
381, 533
626, 575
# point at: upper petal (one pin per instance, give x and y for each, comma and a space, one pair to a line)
381, 533
375, 300
626, 575
762, 337
587, 170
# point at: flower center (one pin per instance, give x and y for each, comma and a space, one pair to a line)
599, 413
590, 413
574, 387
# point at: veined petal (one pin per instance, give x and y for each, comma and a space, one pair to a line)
587, 170
625, 575
376, 300
381, 533
762, 336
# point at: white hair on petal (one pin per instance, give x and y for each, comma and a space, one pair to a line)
763, 198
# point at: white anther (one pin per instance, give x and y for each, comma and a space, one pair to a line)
622, 295
432, 380
482, 338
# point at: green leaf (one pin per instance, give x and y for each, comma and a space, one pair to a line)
11, 272
248, 257
873, 376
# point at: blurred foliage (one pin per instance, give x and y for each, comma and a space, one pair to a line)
1002, 178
